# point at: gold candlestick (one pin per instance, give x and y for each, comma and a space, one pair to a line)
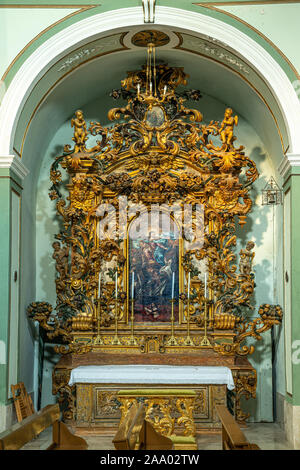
132, 339
116, 338
188, 340
205, 341
172, 341
98, 339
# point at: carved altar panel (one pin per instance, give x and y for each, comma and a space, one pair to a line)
98, 404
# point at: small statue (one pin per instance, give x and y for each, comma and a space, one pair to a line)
246, 258
61, 256
80, 132
226, 129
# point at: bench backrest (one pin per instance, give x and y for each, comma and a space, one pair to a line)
22, 401
232, 436
135, 433
21, 433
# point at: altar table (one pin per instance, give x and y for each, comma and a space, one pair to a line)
152, 374
97, 388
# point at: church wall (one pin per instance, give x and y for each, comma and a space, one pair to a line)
259, 228
28, 289
20, 26
272, 21
4, 278
39, 256
294, 275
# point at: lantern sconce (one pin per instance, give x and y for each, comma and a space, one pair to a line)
271, 194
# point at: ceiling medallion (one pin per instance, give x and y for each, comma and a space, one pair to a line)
143, 38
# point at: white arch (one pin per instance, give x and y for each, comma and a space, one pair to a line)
59, 44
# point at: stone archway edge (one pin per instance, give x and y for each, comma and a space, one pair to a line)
64, 41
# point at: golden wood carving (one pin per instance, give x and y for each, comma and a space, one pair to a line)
167, 414
156, 151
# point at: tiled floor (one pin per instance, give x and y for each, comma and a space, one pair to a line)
267, 436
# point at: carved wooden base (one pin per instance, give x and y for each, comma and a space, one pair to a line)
97, 405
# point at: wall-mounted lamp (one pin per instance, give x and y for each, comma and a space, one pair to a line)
271, 194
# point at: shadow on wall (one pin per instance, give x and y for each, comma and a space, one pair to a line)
51, 225
257, 220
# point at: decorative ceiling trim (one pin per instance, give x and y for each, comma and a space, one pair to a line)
265, 38
39, 61
38, 36
149, 10
84, 62
233, 70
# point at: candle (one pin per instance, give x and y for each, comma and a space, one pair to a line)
150, 87
116, 285
99, 285
173, 280
165, 89
138, 88
189, 280
132, 286
205, 286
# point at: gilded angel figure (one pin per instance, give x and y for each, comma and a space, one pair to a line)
80, 132
226, 129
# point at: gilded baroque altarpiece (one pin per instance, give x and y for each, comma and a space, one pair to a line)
174, 294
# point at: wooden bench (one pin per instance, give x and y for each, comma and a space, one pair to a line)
22, 401
232, 436
32, 426
135, 433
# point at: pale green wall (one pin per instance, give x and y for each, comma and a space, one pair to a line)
20, 26
293, 182
279, 23
5, 185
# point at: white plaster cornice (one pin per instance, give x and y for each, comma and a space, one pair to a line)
149, 10
289, 161
14, 164
91, 27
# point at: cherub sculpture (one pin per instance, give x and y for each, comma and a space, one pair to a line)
246, 258
80, 132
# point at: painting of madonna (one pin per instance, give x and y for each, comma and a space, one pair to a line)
153, 257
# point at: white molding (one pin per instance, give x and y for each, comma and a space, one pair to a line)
78, 33
15, 164
149, 10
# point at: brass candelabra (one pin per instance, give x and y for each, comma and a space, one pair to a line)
188, 340
98, 339
172, 341
116, 337
132, 338
205, 341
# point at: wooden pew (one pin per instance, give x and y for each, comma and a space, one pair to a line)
135, 433
32, 426
22, 401
232, 436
